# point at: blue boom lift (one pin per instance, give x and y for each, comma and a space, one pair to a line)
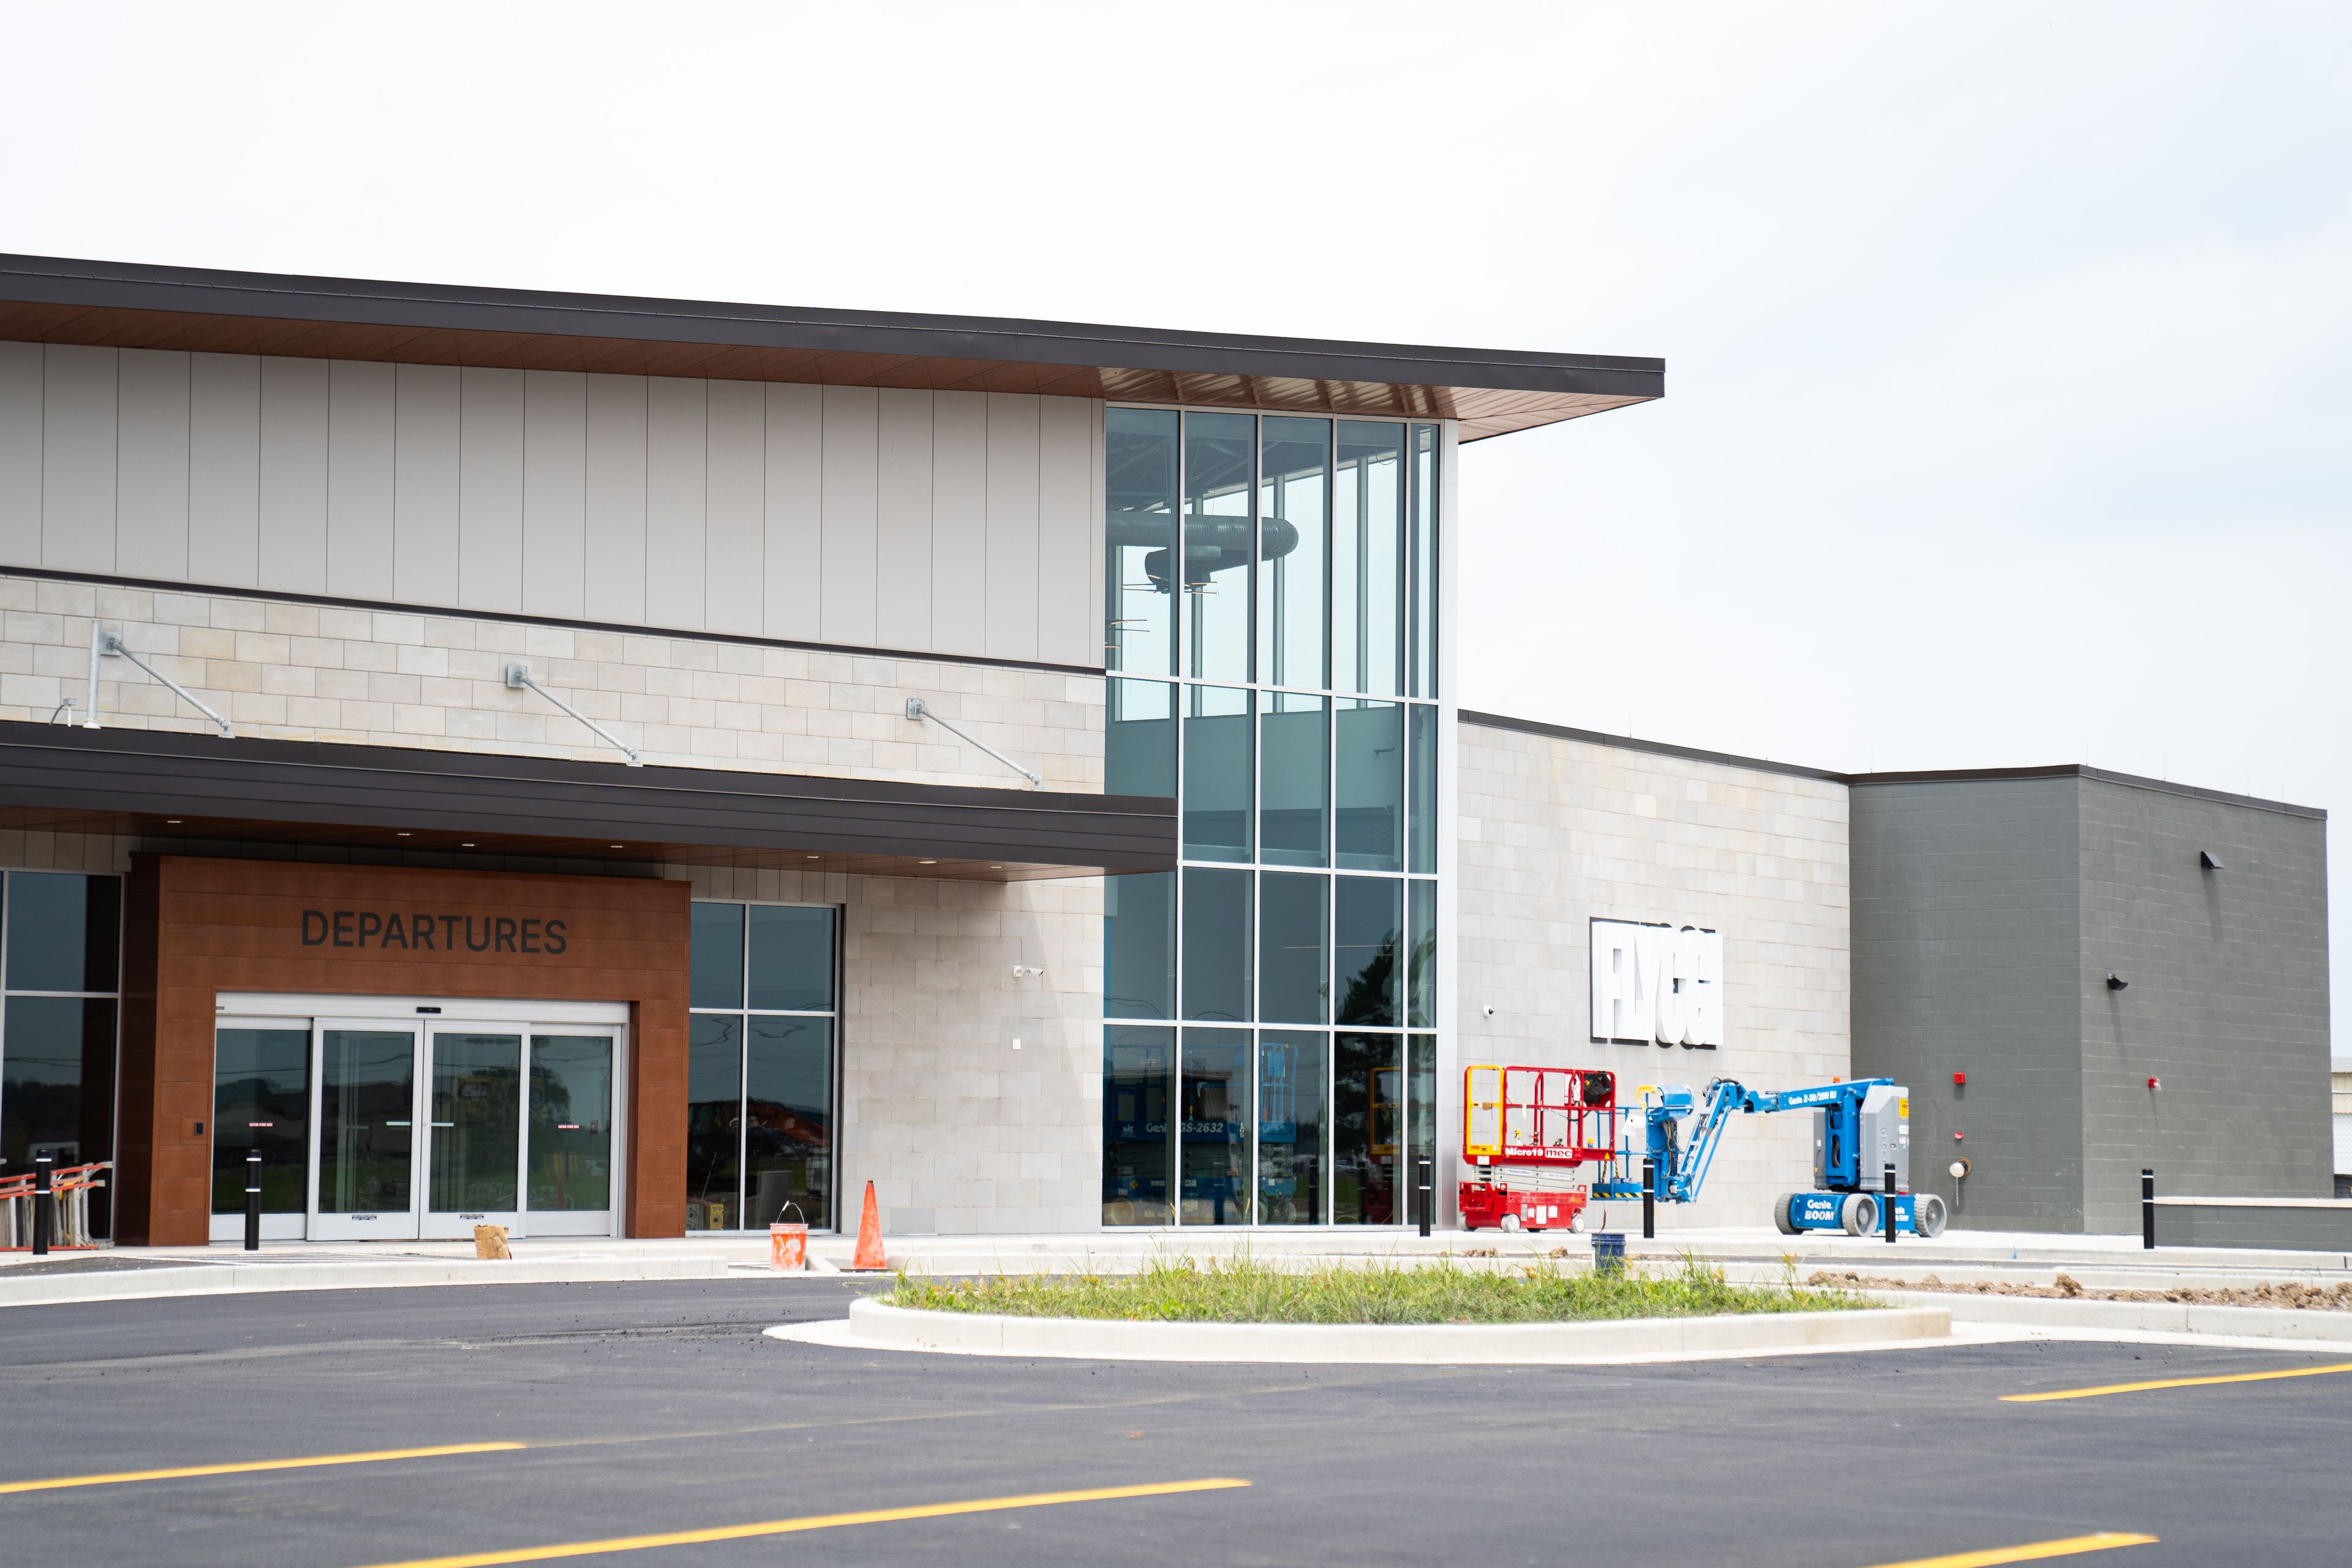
1859, 1128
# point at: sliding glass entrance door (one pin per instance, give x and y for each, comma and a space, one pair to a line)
367, 1116
475, 1135
400, 1128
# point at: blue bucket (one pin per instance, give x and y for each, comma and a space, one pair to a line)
1609, 1251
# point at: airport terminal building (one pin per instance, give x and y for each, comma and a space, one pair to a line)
624, 767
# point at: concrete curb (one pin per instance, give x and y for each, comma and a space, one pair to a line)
245, 1279
2125, 1317
873, 1325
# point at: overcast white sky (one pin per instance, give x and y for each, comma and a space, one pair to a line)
2009, 415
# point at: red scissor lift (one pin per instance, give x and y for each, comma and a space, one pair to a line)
1529, 1129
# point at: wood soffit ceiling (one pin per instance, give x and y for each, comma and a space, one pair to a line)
114, 305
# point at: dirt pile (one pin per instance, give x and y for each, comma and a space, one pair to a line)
2301, 1297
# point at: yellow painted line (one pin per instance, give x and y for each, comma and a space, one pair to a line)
313, 1462
2175, 1383
2073, 1546
812, 1521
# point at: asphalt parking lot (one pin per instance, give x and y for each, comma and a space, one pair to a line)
638, 1414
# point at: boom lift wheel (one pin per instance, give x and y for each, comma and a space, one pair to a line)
1509, 1221
1927, 1214
1783, 1209
1859, 1214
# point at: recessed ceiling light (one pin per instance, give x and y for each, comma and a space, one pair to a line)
402, 834
465, 847
996, 867
926, 862
171, 822
617, 847
815, 856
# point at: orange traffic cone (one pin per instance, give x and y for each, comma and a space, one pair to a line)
869, 1235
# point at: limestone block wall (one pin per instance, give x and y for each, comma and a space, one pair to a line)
297, 671
1555, 832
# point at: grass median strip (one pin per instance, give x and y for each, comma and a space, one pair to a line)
2035, 1552
2174, 1383
811, 1522
1255, 1290
314, 1462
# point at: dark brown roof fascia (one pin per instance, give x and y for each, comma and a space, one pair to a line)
121, 304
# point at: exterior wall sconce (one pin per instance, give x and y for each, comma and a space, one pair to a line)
2117, 982
2208, 860
518, 679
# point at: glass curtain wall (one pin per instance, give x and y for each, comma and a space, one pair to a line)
761, 1066
61, 968
1271, 640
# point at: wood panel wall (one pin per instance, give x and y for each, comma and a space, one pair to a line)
198, 927
954, 522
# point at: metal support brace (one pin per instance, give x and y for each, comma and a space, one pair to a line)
107, 644
518, 679
915, 709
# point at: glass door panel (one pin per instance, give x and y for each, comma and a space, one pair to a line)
476, 1137
261, 1101
367, 1133
568, 1170
788, 1120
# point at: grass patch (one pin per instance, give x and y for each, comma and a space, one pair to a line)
1248, 1290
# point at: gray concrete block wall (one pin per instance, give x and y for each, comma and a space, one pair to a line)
1554, 832
2226, 1005
1966, 915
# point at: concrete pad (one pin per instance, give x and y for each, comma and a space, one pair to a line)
873, 1326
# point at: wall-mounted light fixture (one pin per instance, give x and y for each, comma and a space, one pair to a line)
2155, 1083
2115, 982
2209, 861
1959, 1080
518, 679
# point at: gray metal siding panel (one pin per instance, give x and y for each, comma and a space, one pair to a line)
735, 566
960, 522
845, 561
224, 469
614, 515
795, 511
362, 462
2226, 1005
554, 494
20, 453
1012, 489
1966, 959
293, 509
425, 464
489, 489
78, 459
902, 584
152, 466
678, 433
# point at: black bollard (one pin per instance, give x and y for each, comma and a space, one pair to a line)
1890, 1202
41, 1206
253, 1200
1649, 1199
1425, 1191
2148, 1210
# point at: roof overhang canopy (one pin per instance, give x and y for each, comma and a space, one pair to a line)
120, 305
